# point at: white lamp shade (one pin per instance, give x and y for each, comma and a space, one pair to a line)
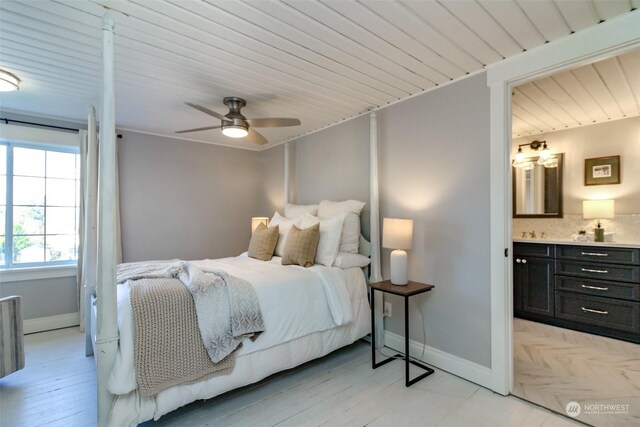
597, 209
257, 220
397, 233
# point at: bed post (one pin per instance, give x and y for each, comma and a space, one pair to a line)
287, 171
107, 333
89, 185
375, 275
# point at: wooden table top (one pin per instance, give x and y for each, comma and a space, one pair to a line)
411, 288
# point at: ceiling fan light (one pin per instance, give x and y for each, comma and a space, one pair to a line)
8, 82
235, 131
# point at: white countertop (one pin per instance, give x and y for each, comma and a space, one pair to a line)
619, 244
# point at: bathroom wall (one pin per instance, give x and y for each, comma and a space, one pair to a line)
620, 137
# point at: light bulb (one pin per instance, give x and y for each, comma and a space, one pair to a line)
519, 156
545, 153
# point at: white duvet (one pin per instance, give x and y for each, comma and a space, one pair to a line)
295, 302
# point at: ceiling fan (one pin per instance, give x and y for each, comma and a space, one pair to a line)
235, 125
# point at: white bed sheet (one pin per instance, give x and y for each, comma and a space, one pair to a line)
308, 312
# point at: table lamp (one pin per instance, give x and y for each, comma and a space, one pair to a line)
397, 234
257, 220
597, 209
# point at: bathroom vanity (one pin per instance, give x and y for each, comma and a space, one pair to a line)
589, 287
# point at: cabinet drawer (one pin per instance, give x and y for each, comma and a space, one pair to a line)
605, 312
610, 255
533, 249
602, 288
599, 271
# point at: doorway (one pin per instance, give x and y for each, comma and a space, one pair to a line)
576, 341
605, 40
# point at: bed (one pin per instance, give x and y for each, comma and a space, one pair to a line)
308, 313
290, 339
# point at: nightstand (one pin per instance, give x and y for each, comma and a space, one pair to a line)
411, 289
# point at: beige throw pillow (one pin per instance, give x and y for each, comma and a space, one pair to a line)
301, 246
263, 242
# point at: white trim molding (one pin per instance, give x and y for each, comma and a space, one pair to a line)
37, 273
41, 324
610, 38
455, 365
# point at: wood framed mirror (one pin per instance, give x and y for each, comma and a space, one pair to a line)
537, 191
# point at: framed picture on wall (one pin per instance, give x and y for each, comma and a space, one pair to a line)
602, 170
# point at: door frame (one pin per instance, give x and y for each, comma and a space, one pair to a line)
610, 38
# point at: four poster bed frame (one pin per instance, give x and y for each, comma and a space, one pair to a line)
106, 329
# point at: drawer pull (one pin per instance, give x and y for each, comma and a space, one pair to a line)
593, 254
590, 310
597, 288
590, 270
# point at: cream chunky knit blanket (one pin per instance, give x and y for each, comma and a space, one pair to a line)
187, 328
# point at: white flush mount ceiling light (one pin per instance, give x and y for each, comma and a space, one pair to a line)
8, 82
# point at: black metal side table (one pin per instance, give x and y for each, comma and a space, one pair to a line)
412, 288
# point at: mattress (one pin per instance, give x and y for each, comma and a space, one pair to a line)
308, 313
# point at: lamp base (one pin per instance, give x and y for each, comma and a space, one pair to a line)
399, 268
598, 234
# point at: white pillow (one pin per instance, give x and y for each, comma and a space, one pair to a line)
351, 227
285, 225
330, 232
347, 260
296, 211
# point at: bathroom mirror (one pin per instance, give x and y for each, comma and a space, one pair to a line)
537, 192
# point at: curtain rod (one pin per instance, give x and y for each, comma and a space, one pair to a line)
6, 121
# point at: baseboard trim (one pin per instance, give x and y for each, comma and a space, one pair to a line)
455, 365
49, 323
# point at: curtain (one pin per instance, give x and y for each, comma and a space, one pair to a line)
88, 245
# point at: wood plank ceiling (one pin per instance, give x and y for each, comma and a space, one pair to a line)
594, 93
321, 61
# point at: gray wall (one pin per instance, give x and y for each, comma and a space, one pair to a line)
182, 199
44, 297
271, 196
334, 164
434, 169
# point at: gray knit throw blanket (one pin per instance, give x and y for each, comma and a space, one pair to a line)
187, 329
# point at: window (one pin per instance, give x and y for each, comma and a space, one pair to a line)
39, 205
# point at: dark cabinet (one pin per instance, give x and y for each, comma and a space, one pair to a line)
533, 279
593, 289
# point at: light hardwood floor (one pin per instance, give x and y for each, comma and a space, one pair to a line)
554, 366
57, 388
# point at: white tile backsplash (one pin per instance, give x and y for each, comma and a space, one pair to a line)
626, 227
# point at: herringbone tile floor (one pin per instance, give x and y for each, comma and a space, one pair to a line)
554, 366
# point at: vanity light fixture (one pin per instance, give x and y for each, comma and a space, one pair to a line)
545, 158
8, 82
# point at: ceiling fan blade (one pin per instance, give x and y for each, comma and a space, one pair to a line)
198, 129
207, 111
256, 137
273, 122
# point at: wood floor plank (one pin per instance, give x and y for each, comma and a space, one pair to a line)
58, 388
